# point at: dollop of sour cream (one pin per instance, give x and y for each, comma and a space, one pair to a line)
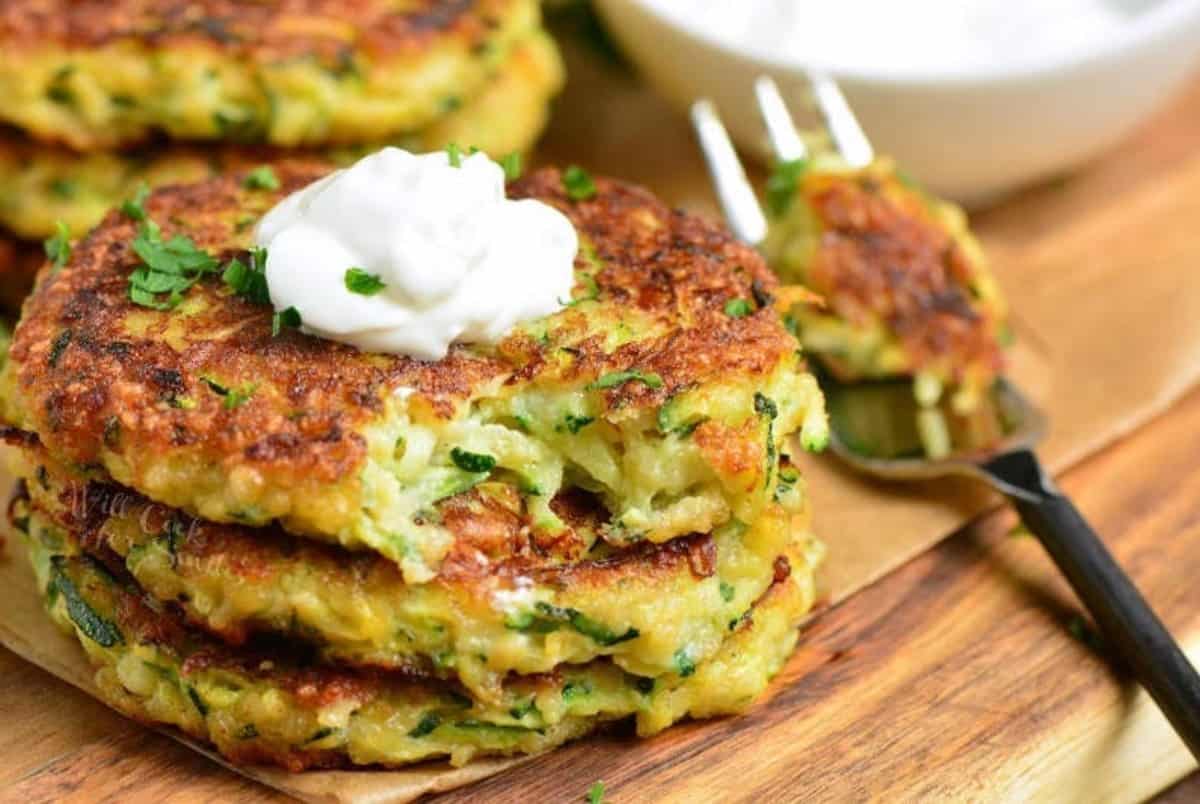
458, 261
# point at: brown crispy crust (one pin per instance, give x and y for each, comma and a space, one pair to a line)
491, 541
79, 371
880, 255
267, 31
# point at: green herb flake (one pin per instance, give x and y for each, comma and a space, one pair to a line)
727, 591
247, 732
289, 318
103, 632
578, 183
427, 725
233, 397
574, 423
782, 185
261, 178
615, 378
364, 284
58, 247
576, 689
738, 308
475, 462
58, 346
595, 793
512, 165
684, 664
248, 279
135, 208
454, 154
169, 268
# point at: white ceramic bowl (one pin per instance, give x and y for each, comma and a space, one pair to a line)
971, 136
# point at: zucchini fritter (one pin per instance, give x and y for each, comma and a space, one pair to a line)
906, 286
649, 389
499, 604
104, 73
42, 184
273, 705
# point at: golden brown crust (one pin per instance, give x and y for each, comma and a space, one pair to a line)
266, 31
880, 256
257, 553
84, 369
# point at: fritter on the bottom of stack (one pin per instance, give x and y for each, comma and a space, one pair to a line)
272, 700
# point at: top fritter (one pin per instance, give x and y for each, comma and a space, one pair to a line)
667, 386
289, 72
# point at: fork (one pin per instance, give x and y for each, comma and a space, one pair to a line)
1010, 466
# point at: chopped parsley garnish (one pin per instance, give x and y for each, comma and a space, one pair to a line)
615, 378
738, 308
249, 280
169, 268
58, 247
727, 591
261, 178
578, 183
285, 318
135, 208
595, 794
472, 461
454, 153
512, 166
782, 184
364, 284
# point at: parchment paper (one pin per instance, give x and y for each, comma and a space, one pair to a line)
1103, 273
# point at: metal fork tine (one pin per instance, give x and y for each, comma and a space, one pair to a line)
848, 136
742, 212
781, 129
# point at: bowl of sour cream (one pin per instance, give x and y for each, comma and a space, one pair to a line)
973, 97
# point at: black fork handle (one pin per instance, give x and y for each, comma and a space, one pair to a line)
1126, 620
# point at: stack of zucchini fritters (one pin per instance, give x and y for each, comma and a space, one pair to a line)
315, 556
103, 96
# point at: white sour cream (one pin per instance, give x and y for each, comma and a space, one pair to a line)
459, 262
906, 37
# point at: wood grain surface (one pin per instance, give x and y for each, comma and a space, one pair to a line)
967, 674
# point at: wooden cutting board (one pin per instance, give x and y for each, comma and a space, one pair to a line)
960, 676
